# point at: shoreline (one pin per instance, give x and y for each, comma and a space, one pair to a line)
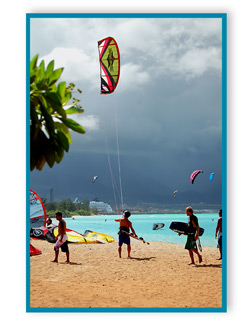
133, 214
157, 275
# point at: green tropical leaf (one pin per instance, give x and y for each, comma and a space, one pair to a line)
74, 110
63, 128
73, 125
63, 140
61, 88
59, 153
53, 88
33, 115
48, 118
68, 136
32, 76
40, 162
50, 155
58, 158
67, 97
33, 62
54, 76
49, 69
55, 103
41, 70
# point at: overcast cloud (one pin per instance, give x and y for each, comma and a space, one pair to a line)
167, 103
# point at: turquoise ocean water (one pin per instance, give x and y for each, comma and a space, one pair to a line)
143, 226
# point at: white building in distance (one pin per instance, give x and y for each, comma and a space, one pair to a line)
101, 207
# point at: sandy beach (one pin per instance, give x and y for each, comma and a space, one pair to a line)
157, 275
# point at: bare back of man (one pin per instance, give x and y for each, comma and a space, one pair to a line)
125, 225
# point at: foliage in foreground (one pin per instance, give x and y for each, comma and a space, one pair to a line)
49, 109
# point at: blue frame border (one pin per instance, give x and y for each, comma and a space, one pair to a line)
222, 16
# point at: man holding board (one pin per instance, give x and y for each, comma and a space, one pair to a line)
193, 235
125, 226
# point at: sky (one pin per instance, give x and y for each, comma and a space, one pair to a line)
166, 111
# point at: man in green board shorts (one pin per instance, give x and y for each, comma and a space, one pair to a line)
193, 235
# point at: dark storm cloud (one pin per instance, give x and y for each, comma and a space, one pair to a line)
168, 107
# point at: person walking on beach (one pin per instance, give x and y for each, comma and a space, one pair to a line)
49, 221
125, 226
219, 230
61, 239
193, 235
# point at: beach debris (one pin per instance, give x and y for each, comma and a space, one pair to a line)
194, 175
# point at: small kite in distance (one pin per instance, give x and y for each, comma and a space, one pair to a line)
94, 178
211, 176
175, 193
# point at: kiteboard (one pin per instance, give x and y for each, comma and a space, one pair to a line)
133, 236
182, 228
198, 244
157, 226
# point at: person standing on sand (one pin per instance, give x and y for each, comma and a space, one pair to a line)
125, 225
49, 221
61, 239
219, 229
193, 235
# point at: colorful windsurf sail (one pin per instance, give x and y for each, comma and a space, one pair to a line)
37, 211
194, 175
109, 64
211, 176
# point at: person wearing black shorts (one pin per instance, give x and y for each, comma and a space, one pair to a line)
125, 226
61, 239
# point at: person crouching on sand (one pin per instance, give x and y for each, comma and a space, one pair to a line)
61, 239
193, 235
125, 226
